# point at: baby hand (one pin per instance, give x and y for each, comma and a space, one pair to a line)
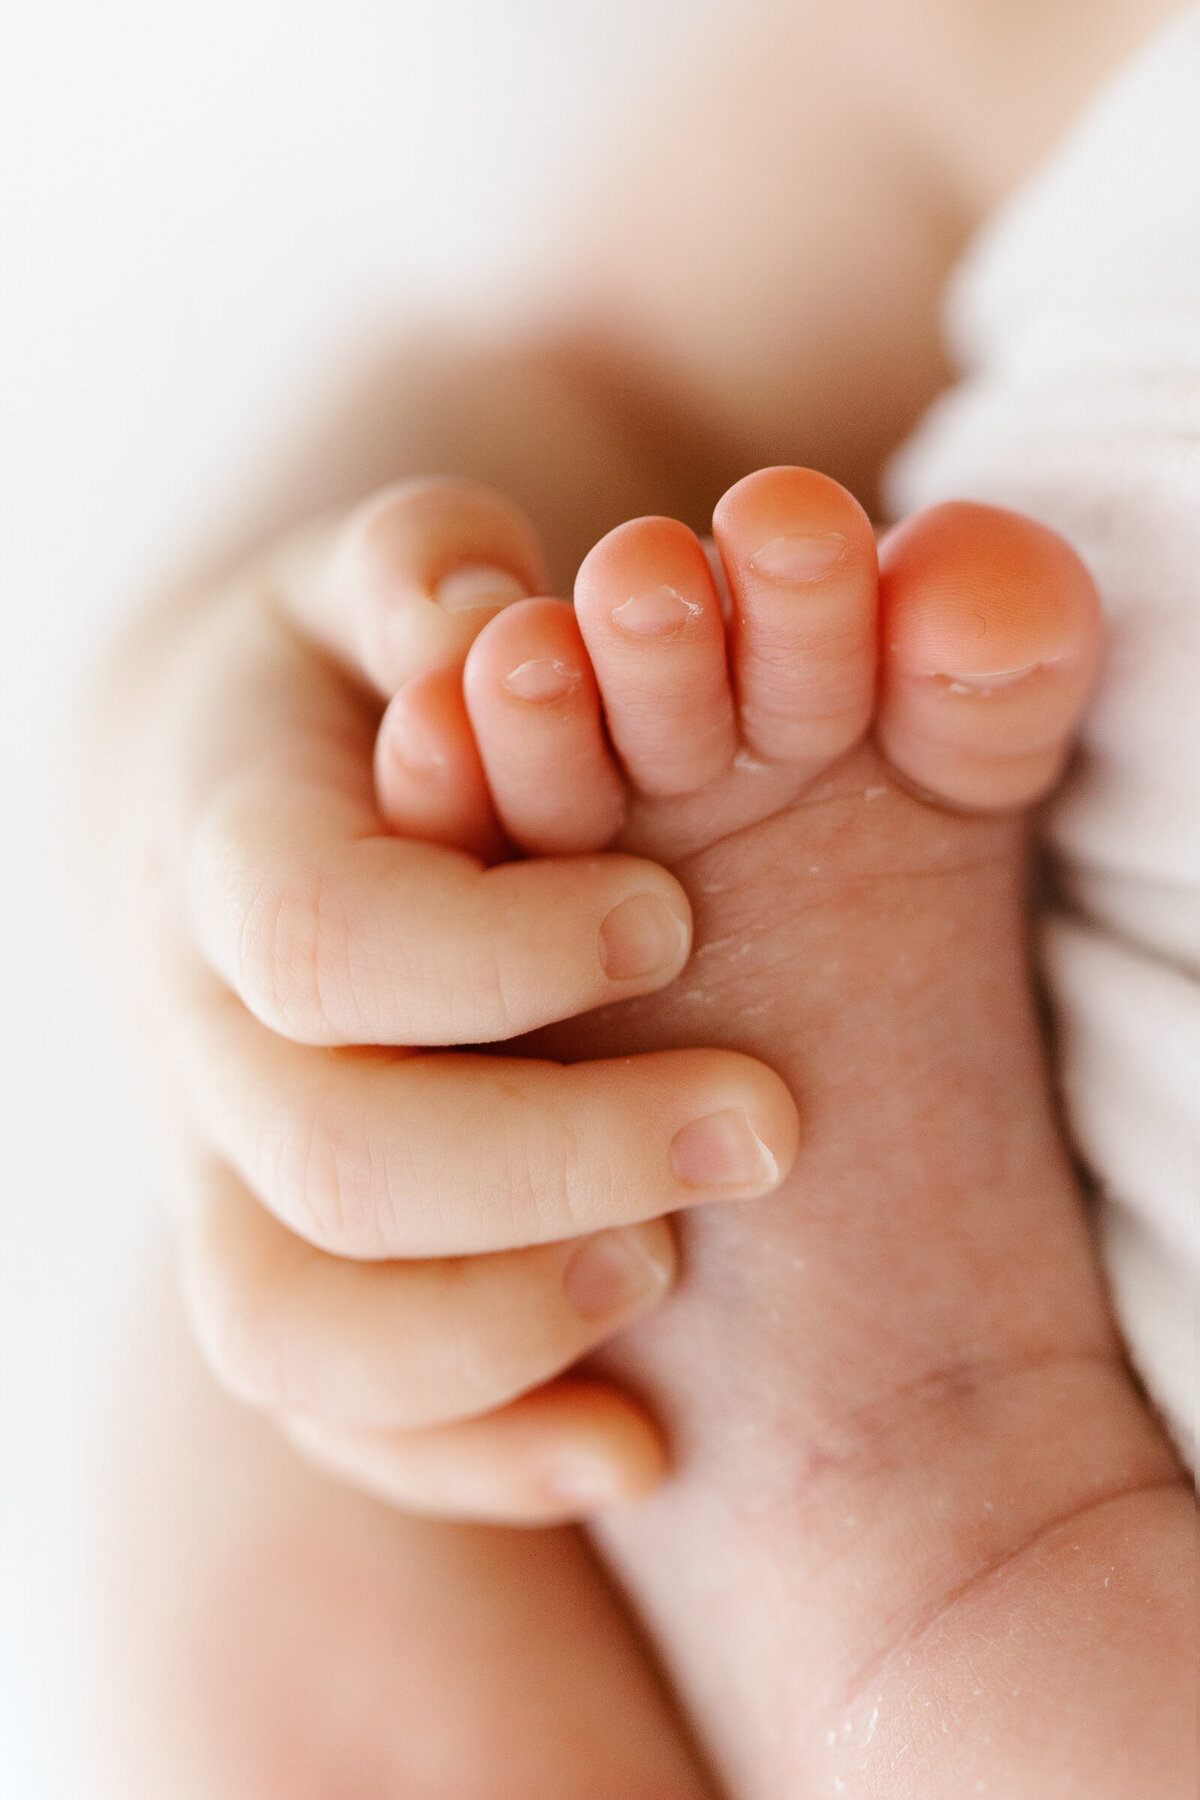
393, 1249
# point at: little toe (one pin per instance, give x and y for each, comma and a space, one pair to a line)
429, 778
992, 639
651, 619
799, 554
535, 709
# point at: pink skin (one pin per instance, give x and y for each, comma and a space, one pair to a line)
706, 729
988, 634
345, 1266
895, 1400
992, 640
660, 655
428, 775
552, 705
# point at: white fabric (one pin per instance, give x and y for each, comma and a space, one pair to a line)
1076, 320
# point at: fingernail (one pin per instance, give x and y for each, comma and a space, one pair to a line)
799, 558
723, 1151
641, 936
476, 585
659, 613
583, 1481
542, 679
613, 1272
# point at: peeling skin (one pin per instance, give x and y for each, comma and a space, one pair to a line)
715, 946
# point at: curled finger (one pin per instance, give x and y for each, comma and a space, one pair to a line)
379, 1154
570, 1449
401, 586
398, 1346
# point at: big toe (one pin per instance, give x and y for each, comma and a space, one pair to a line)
991, 643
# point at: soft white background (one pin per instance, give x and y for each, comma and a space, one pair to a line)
204, 209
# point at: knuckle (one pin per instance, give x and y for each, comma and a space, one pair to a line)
474, 982
323, 1176
275, 922
294, 964
488, 1368
569, 1184
497, 994
236, 1325
499, 1353
489, 1372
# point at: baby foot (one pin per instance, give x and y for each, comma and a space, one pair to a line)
898, 1411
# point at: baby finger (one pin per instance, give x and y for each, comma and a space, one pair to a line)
570, 1449
399, 1346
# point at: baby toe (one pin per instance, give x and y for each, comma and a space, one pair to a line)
799, 554
651, 619
992, 639
429, 779
535, 709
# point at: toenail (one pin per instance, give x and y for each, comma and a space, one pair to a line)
542, 679
799, 558
723, 1151
413, 742
641, 936
659, 613
476, 585
611, 1273
987, 683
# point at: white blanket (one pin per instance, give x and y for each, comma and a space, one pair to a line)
1076, 320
